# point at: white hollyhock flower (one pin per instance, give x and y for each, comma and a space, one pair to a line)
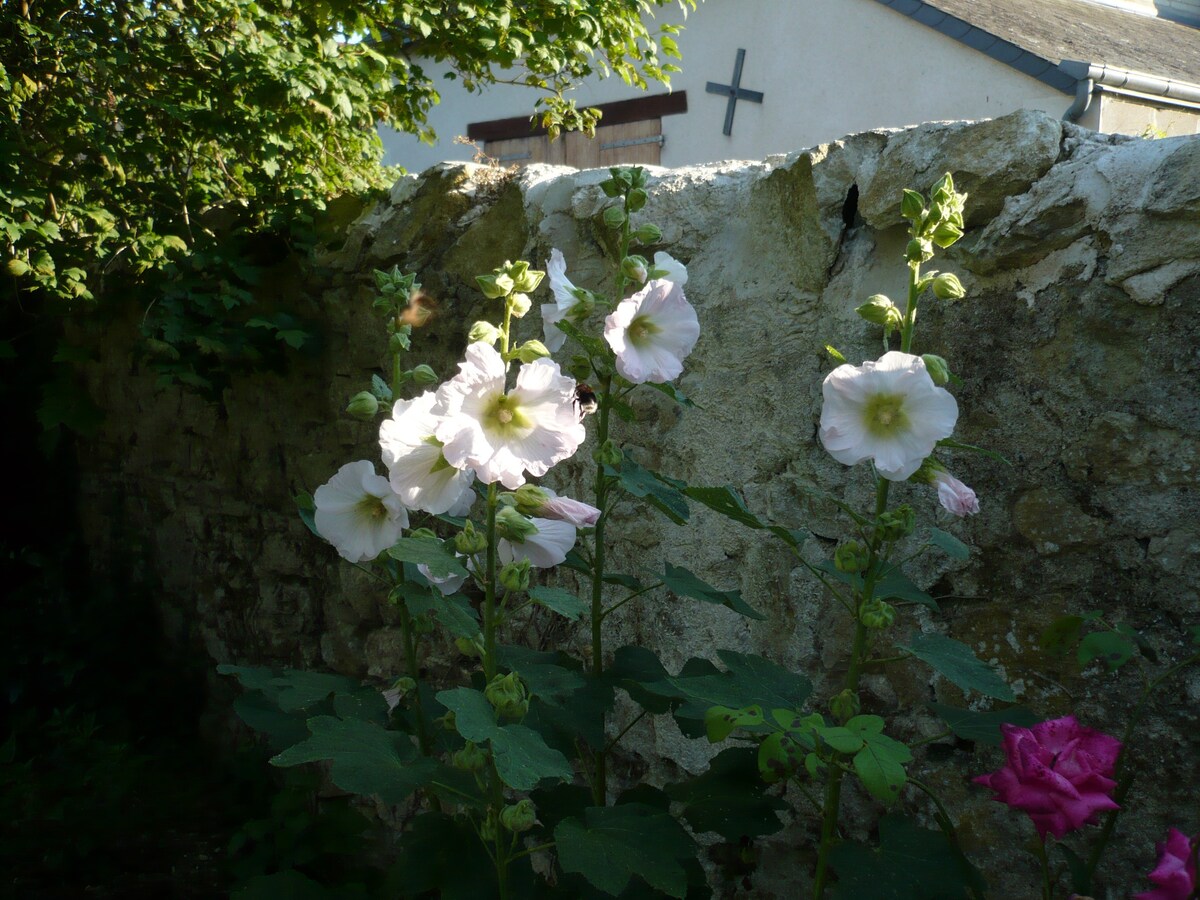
547, 547
955, 496
358, 512
417, 469
445, 584
652, 333
564, 509
500, 434
669, 268
889, 411
564, 301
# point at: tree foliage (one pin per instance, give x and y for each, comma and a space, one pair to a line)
126, 126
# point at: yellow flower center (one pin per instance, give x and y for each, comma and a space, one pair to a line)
884, 414
371, 508
504, 415
641, 329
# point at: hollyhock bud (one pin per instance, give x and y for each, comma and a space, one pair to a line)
845, 706
1175, 875
850, 557
520, 816
531, 350
483, 332
955, 496
947, 287
521, 305
513, 526
514, 576
1058, 772
469, 541
471, 758
648, 233
880, 310
467, 646
508, 696
634, 268
614, 217
424, 375
608, 454
529, 499
363, 405
636, 200
877, 614
938, 368
897, 523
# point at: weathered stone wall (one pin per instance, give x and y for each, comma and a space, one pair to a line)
1078, 353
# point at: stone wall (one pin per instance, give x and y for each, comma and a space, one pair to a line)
1078, 353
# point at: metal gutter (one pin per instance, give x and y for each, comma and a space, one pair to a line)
1093, 75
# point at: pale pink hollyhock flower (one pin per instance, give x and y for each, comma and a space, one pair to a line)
564, 301
564, 509
1175, 875
358, 512
652, 333
1058, 772
669, 268
889, 411
417, 469
547, 547
445, 584
502, 434
954, 495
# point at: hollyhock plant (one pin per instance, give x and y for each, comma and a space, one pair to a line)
543, 502
417, 469
1175, 875
565, 300
445, 584
503, 434
652, 333
1058, 772
888, 411
358, 512
955, 496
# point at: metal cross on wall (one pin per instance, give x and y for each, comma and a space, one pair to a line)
734, 92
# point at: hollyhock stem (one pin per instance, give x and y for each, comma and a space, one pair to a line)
414, 672
489, 587
910, 308
600, 765
858, 653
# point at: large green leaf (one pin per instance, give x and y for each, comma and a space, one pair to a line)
982, 727
295, 690
366, 758
949, 544
442, 856
643, 483
474, 717
729, 798
893, 584
728, 502
880, 763
911, 863
560, 601
610, 845
956, 661
639, 672
749, 680
681, 581
432, 552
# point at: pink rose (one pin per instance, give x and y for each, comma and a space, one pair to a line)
954, 495
1175, 873
1058, 772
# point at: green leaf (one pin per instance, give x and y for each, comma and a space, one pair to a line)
560, 601
956, 661
611, 845
779, 755
983, 727
721, 721
593, 346
307, 508
949, 544
1114, 649
523, 758
895, 585
1061, 635
366, 758
659, 494
430, 551
749, 680
880, 763
726, 501
638, 671
674, 393
443, 857
457, 614
681, 581
911, 863
841, 739
474, 717
959, 445
728, 799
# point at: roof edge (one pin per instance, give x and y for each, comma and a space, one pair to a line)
1129, 80
1044, 70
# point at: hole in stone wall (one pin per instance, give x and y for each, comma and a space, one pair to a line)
850, 216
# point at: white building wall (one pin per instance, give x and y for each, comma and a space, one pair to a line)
827, 68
